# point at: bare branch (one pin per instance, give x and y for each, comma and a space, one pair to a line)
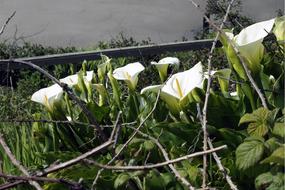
204, 116
217, 159
43, 179
75, 160
166, 157
17, 163
6, 23
158, 165
221, 167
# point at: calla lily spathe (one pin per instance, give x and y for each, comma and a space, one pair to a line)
177, 88
249, 44
73, 79
163, 64
129, 73
48, 96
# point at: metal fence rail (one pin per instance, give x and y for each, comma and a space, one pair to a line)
136, 51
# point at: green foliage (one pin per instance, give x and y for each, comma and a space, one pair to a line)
249, 153
254, 135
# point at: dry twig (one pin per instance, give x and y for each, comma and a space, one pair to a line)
204, 116
216, 157
158, 165
222, 168
43, 179
166, 157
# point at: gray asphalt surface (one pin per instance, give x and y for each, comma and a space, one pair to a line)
85, 22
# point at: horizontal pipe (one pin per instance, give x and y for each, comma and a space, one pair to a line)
136, 51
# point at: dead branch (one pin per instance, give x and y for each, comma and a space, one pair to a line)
166, 157
216, 157
158, 165
222, 168
43, 179
75, 160
205, 108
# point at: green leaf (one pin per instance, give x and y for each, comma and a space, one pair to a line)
154, 180
249, 153
272, 144
231, 137
121, 180
263, 180
99, 112
259, 122
148, 145
276, 157
223, 76
258, 114
270, 181
279, 130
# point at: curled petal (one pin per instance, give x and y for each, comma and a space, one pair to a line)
48, 96
129, 73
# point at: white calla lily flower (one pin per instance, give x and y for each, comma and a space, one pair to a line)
181, 84
129, 73
48, 96
249, 42
73, 79
163, 64
177, 88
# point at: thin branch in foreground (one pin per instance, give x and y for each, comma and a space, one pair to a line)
205, 108
75, 160
216, 157
244, 65
65, 88
11, 185
166, 157
71, 184
17, 163
158, 165
222, 168
6, 23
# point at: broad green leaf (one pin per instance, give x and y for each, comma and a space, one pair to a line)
121, 180
270, 181
148, 145
272, 144
263, 180
259, 122
277, 156
154, 180
279, 130
99, 112
231, 137
223, 76
249, 153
